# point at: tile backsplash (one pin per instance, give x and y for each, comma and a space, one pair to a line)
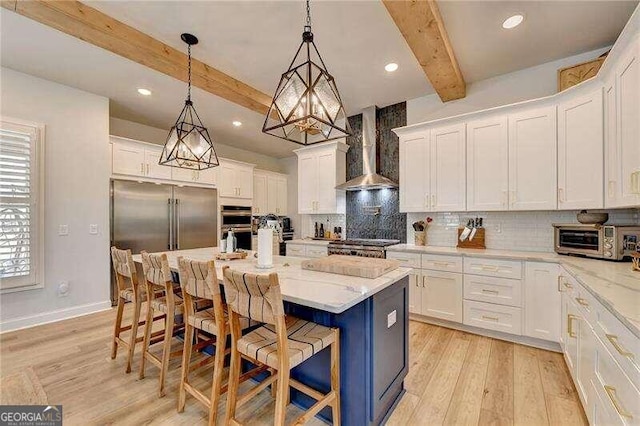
528, 231
307, 222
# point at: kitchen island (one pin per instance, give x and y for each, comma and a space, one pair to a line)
372, 315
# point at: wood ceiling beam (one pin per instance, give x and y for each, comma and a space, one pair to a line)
94, 27
420, 23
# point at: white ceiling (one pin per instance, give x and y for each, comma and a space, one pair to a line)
254, 41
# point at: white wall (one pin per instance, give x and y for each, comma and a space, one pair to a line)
131, 130
526, 84
76, 174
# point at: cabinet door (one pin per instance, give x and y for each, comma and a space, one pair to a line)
228, 187
572, 332
532, 159
244, 182
542, 301
184, 175
260, 194
612, 189
580, 151
487, 164
414, 173
208, 176
272, 194
281, 196
307, 183
628, 126
448, 168
415, 292
442, 295
152, 168
586, 363
128, 159
326, 178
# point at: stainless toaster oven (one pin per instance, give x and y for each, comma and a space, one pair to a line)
613, 242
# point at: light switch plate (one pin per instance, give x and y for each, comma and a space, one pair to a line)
391, 318
93, 229
63, 230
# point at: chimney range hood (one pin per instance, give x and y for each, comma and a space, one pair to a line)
369, 179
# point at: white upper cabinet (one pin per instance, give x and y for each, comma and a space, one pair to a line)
580, 150
260, 205
269, 193
152, 156
532, 159
128, 157
611, 160
448, 168
320, 168
414, 172
282, 195
236, 180
623, 187
487, 164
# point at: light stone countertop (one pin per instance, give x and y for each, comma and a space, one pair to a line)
309, 242
613, 284
321, 290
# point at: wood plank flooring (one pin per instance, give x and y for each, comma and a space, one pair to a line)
454, 378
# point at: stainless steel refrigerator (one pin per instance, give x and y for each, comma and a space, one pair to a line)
153, 217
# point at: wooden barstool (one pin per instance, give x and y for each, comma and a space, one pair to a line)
200, 281
281, 344
129, 291
163, 297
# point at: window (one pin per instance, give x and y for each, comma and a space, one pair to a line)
20, 205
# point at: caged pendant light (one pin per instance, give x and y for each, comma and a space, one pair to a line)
189, 145
306, 107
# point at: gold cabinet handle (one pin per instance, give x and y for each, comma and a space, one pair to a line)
611, 393
560, 279
614, 341
485, 317
489, 268
582, 301
570, 319
142, 168
568, 285
441, 263
423, 284
484, 290
147, 169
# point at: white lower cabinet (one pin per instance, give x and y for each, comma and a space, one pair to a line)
542, 301
297, 250
306, 250
506, 319
442, 295
415, 292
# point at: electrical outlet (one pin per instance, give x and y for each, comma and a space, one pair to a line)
93, 229
391, 318
498, 228
63, 289
63, 230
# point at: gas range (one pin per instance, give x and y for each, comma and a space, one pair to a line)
362, 247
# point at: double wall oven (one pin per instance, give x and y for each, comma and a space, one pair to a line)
237, 218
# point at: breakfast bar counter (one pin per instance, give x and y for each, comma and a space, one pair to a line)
372, 315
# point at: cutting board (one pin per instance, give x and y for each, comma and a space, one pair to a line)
354, 266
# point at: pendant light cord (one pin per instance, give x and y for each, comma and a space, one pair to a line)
308, 26
189, 86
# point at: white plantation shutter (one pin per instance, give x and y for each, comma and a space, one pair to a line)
19, 205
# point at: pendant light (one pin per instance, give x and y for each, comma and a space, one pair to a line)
189, 145
306, 107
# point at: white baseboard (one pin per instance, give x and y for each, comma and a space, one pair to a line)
523, 340
53, 316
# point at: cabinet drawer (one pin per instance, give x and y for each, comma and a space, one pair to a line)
316, 251
408, 260
614, 387
623, 345
507, 319
437, 262
502, 291
493, 268
295, 250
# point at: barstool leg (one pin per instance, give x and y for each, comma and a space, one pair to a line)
166, 351
218, 367
116, 329
137, 307
335, 377
147, 336
282, 395
234, 382
186, 360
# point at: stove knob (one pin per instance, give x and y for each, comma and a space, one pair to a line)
608, 245
608, 254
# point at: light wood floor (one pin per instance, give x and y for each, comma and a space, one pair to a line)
454, 377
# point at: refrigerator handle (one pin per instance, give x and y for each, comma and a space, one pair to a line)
170, 224
177, 213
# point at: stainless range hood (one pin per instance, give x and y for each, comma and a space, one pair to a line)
369, 179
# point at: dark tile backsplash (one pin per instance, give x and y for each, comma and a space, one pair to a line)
390, 223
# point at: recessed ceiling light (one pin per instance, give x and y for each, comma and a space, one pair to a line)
391, 67
145, 92
237, 123
512, 21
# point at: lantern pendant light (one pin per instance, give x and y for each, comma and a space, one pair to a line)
306, 108
189, 145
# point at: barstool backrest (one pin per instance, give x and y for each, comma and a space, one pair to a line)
253, 296
156, 270
124, 268
198, 279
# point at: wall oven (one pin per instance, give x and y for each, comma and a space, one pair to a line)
237, 218
613, 242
